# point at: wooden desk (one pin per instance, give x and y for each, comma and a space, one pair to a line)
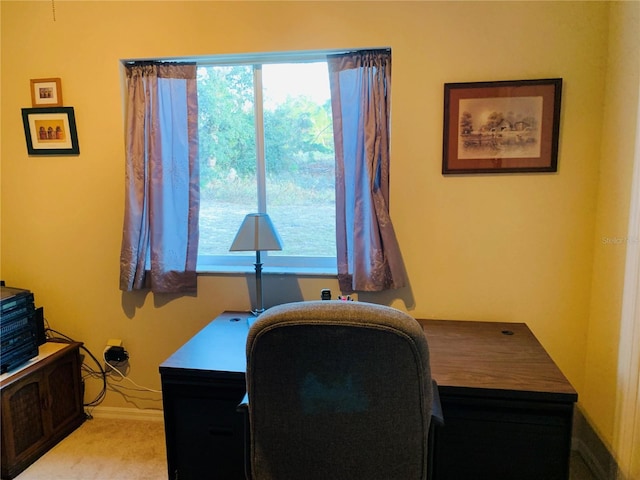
507, 407
202, 384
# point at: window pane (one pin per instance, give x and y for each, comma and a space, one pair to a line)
299, 156
227, 154
299, 161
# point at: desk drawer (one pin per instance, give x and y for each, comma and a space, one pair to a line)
503, 439
205, 433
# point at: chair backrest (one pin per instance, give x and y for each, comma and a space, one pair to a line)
338, 390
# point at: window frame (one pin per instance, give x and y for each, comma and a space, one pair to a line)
244, 262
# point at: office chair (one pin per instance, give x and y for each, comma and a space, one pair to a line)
340, 391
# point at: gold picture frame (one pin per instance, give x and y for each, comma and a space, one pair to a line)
46, 92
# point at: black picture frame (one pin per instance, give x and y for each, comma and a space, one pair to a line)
501, 127
50, 131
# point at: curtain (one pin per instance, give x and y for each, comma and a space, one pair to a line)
160, 233
369, 256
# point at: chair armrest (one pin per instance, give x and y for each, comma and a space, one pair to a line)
436, 407
243, 407
437, 421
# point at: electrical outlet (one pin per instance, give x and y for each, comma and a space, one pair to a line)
122, 367
116, 357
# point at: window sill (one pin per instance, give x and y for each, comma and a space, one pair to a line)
246, 270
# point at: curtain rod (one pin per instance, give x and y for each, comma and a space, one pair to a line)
264, 57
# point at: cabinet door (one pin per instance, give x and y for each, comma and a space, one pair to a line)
39, 409
63, 384
24, 429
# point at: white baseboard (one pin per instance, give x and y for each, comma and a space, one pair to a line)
122, 413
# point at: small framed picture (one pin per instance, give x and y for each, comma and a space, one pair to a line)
50, 131
501, 127
46, 92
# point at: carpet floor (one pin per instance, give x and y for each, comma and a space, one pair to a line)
105, 449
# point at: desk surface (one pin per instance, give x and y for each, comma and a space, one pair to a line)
503, 359
218, 349
492, 356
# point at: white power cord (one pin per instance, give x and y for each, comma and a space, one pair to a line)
122, 375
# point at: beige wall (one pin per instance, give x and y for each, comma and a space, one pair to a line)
517, 248
604, 381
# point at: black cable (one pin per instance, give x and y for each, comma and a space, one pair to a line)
93, 373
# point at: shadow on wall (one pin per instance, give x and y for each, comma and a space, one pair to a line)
277, 289
131, 301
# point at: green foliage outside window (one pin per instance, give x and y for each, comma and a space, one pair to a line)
299, 159
298, 134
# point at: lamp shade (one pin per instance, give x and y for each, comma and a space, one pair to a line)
256, 233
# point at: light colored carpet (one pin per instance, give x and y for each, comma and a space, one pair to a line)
105, 449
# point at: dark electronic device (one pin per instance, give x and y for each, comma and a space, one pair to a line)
325, 294
116, 354
41, 336
18, 330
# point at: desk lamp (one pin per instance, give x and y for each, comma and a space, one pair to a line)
256, 233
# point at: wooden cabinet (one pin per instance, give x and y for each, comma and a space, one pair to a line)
41, 404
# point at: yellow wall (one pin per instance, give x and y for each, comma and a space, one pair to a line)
516, 248
601, 386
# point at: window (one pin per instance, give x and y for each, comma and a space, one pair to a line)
266, 145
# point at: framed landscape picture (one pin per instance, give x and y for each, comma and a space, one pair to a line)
50, 131
501, 127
